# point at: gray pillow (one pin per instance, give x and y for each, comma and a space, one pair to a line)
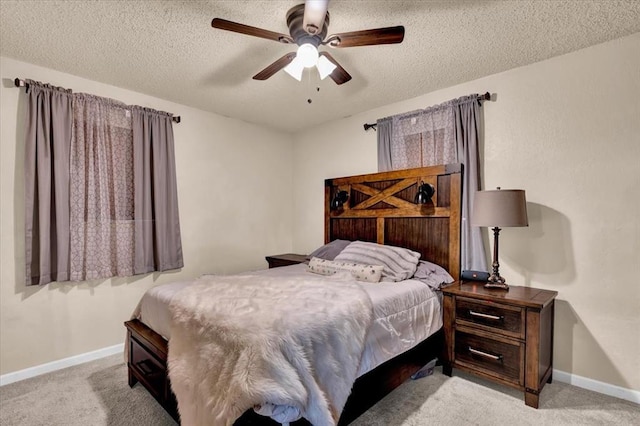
435, 276
330, 250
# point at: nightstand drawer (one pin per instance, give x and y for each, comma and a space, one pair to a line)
501, 358
508, 320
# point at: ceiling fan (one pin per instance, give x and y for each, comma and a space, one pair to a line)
308, 25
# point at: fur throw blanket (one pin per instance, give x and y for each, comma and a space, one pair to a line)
266, 342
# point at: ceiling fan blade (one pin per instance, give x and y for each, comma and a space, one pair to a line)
339, 75
389, 35
275, 67
314, 14
223, 24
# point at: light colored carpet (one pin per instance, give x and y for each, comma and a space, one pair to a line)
97, 393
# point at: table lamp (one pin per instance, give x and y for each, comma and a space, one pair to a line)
498, 209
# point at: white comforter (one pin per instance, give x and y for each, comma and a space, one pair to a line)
405, 313
239, 342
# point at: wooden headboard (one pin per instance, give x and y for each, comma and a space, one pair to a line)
380, 209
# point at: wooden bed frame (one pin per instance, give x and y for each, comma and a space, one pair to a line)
379, 209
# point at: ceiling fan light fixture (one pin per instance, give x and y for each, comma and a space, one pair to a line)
307, 55
308, 25
325, 67
295, 69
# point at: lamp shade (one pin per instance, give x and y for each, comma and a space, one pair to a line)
500, 208
425, 192
339, 198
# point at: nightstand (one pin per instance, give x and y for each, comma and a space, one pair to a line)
285, 259
503, 336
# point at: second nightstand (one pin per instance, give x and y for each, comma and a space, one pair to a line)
285, 259
504, 336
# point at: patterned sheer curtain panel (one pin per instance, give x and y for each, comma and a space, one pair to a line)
423, 138
441, 134
102, 228
111, 209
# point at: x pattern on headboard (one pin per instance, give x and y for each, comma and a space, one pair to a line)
380, 209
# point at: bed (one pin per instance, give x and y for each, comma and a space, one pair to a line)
379, 209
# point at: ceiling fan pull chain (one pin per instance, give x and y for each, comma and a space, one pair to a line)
309, 101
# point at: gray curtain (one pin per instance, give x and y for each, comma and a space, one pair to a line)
441, 134
158, 245
100, 188
467, 119
47, 144
385, 134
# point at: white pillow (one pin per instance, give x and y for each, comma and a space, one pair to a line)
399, 263
368, 273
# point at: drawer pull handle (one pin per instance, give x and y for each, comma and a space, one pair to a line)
487, 316
491, 356
144, 367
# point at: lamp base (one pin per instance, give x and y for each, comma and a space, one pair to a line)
496, 281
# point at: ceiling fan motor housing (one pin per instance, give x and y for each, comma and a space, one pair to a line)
295, 18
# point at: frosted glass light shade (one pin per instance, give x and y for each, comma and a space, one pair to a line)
294, 69
307, 55
325, 67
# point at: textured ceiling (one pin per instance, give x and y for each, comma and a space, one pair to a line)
169, 50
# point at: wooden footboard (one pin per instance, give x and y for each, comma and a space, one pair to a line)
147, 364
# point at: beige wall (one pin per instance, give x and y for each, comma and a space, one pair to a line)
567, 130
234, 189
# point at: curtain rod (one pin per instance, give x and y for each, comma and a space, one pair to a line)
21, 83
480, 98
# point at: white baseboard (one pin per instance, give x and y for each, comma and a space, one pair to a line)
561, 376
596, 386
28, 373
